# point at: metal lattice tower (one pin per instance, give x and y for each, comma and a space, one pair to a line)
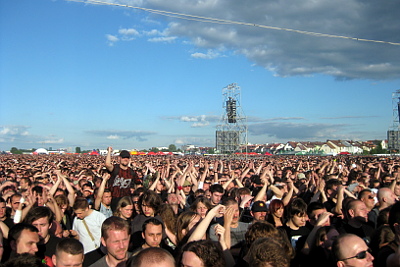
393, 134
395, 108
231, 133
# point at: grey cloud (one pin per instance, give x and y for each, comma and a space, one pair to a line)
288, 53
349, 117
20, 136
297, 131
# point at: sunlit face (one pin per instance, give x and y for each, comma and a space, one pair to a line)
125, 161
235, 218
397, 189
117, 244
173, 199
39, 200
2, 210
27, 242
216, 198
15, 200
278, 213
148, 211
152, 235
201, 209
159, 186
299, 220
186, 189
315, 215
350, 247
81, 213
135, 201
369, 201
43, 225
259, 215
64, 259
106, 199
360, 211
190, 259
126, 212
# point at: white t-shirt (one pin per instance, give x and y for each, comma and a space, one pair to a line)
94, 222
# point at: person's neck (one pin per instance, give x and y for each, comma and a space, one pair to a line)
234, 224
89, 212
46, 239
113, 262
123, 167
278, 221
175, 208
105, 205
292, 226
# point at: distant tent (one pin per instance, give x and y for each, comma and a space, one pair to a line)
267, 154
344, 153
94, 153
41, 151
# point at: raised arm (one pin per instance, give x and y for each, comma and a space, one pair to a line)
201, 229
70, 189
53, 189
100, 192
109, 165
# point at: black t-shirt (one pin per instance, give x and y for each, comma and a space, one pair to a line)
121, 181
295, 235
365, 231
48, 249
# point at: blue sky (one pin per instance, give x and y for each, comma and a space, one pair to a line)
77, 74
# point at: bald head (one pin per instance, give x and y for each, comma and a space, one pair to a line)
346, 247
152, 257
386, 197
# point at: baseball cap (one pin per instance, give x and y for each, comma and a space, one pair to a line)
124, 154
259, 206
301, 176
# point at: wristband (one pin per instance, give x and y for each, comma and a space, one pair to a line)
180, 187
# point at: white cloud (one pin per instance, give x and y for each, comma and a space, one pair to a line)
153, 32
200, 124
128, 31
187, 118
210, 55
115, 134
52, 141
162, 39
111, 39
128, 34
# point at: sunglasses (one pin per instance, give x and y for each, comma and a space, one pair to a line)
359, 256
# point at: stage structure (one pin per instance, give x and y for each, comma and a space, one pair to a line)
393, 134
231, 133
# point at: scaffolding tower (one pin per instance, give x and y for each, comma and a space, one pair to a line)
393, 134
231, 133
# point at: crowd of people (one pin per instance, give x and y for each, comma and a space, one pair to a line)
197, 211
